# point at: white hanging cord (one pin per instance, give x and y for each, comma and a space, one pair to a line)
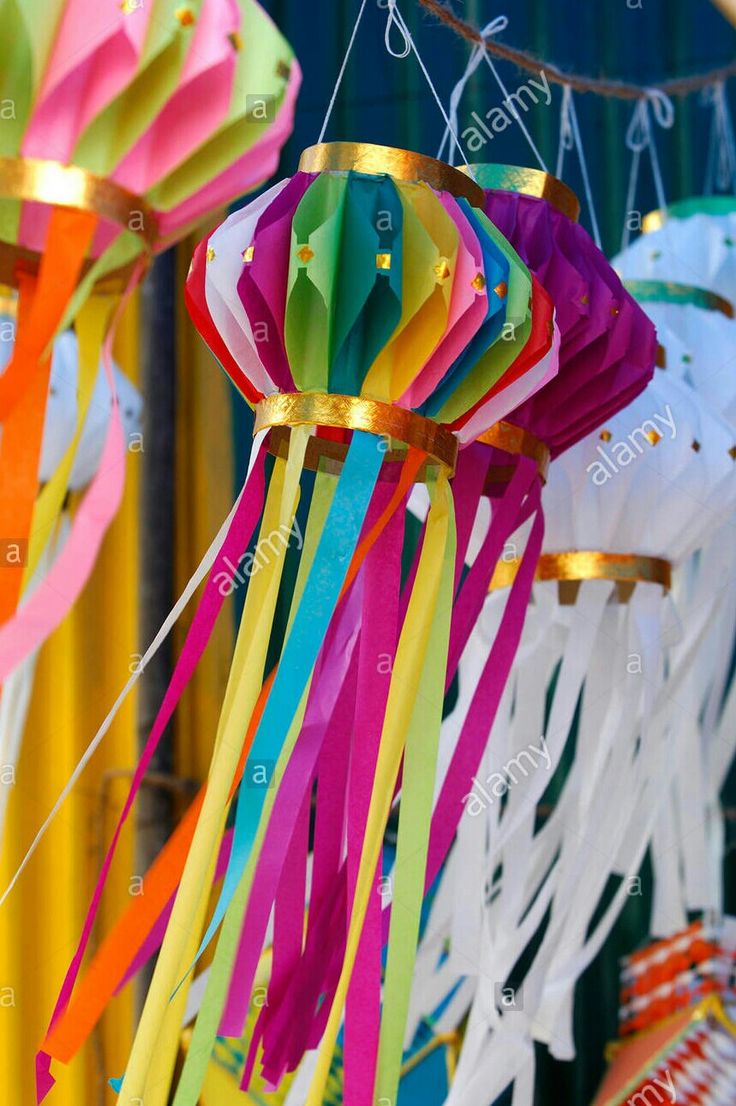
476, 56
489, 31
567, 139
721, 166
570, 136
639, 137
396, 19
341, 74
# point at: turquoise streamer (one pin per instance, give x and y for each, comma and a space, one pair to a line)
331, 562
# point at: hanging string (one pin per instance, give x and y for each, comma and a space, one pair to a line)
474, 60
639, 137
396, 19
341, 74
478, 53
721, 165
494, 28
570, 136
620, 90
566, 136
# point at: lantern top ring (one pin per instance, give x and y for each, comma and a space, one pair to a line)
527, 182
520, 442
405, 165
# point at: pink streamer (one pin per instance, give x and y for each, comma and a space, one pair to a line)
236, 541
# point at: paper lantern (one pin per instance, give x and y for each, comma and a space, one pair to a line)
113, 152
366, 297
625, 509
696, 333
67, 463
607, 354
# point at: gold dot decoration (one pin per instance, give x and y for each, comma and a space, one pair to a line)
247, 254
127, 7
615, 311
653, 437
695, 445
235, 40
732, 453
383, 261
502, 290
478, 282
211, 255
442, 269
185, 17
305, 254
283, 69
585, 300
605, 435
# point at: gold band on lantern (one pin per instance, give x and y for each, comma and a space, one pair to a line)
8, 302
326, 455
667, 291
52, 183
528, 182
574, 566
365, 157
516, 440
358, 413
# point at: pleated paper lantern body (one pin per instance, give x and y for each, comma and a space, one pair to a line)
697, 336
692, 244
607, 353
366, 298
113, 153
625, 508
606, 341
83, 457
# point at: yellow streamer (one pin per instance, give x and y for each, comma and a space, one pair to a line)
240, 698
410, 657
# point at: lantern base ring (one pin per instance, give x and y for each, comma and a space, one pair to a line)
576, 565
516, 440
388, 422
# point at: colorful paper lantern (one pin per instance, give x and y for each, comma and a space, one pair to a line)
367, 297
112, 153
607, 354
625, 508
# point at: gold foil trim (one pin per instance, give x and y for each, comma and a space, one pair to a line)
50, 182
8, 303
667, 291
364, 157
574, 566
653, 220
529, 182
516, 440
358, 413
326, 455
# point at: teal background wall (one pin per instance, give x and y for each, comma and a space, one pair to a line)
387, 100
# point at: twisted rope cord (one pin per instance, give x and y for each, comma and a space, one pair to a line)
619, 90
